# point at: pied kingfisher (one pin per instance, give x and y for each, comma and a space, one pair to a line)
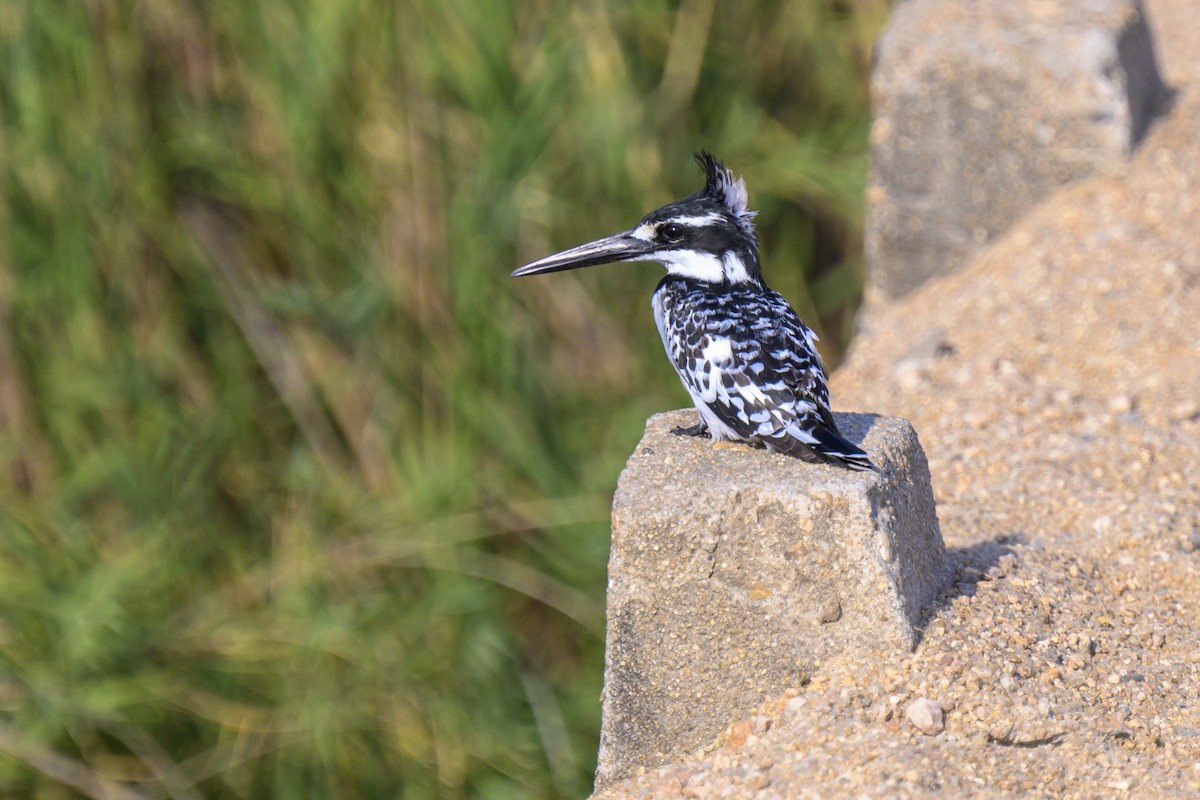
749, 363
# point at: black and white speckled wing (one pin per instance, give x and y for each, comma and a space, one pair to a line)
752, 369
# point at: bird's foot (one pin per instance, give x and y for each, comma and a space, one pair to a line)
700, 429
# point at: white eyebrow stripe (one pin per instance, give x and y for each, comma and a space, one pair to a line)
697, 221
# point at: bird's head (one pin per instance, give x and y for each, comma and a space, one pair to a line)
708, 236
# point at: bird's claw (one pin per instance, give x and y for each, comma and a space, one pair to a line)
699, 429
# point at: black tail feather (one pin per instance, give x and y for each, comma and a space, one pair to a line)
830, 448
833, 447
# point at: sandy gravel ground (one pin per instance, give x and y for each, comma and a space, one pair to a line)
1056, 388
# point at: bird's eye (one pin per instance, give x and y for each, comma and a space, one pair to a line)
672, 232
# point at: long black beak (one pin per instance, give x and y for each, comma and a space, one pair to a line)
619, 247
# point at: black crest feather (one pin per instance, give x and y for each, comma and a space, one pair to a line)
730, 191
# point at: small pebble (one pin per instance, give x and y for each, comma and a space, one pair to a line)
1120, 404
1187, 410
926, 715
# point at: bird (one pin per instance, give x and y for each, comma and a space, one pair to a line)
749, 363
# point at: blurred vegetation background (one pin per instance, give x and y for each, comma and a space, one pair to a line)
300, 495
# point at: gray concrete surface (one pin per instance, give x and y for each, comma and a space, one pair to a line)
982, 109
735, 571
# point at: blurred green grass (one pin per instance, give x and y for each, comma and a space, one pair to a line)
300, 496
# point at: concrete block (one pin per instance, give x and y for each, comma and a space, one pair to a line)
982, 108
734, 571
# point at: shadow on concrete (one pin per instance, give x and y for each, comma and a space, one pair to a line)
855, 425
